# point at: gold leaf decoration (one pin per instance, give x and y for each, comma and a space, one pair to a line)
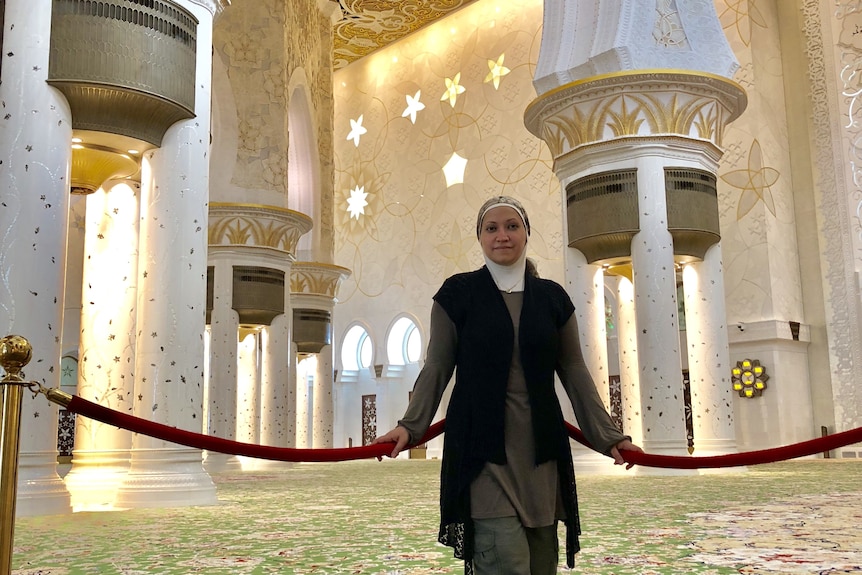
256, 226
366, 25
315, 278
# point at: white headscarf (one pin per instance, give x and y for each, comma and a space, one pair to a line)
508, 278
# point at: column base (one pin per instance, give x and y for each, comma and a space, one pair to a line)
166, 478
664, 447
40, 489
215, 462
95, 477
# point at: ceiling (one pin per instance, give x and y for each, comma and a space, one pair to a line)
366, 25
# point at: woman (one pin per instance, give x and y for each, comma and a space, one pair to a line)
507, 475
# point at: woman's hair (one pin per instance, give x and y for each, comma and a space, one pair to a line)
498, 201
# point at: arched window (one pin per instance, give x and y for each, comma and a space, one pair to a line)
357, 351
404, 344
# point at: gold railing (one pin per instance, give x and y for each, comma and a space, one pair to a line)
15, 353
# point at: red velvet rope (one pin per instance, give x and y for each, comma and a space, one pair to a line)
208, 442
772, 455
200, 441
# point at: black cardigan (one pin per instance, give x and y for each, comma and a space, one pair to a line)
475, 417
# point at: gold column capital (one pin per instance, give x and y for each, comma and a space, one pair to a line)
256, 225
316, 278
635, 104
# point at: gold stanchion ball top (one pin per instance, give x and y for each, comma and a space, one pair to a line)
15, 353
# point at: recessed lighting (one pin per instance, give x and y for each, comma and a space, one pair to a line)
133, 152
77, 140
77, 147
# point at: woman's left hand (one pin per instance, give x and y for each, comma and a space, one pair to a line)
625, 445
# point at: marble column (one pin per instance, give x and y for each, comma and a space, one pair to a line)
292, 390
628, 357
314, 285
172, 273
248, 388
274, 385
266, 236
709, 356
222, 390
585, 284
35, 158
323, 416
107, 343
305, 366
656, 310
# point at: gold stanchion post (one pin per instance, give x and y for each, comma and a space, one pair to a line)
15, 353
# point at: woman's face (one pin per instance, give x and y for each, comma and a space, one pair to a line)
503, 236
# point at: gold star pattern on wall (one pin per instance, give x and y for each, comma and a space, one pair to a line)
451, 149
754, 182
453, 89
497, 71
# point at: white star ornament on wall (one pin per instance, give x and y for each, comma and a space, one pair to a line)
356, 130
413, 106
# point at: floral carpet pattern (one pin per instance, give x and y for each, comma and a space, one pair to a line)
369, 517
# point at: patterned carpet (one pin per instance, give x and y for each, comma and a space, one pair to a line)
372, 517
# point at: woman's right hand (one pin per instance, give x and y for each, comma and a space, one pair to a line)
398, 436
